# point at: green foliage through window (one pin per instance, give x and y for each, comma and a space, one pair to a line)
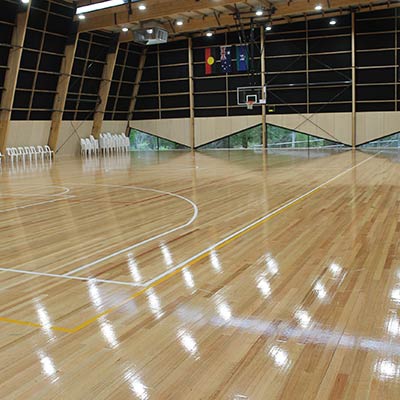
392, 141
141, 141
277, 137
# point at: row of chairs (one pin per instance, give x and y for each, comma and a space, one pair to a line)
118, 143
90, 146
107, 144
29, 152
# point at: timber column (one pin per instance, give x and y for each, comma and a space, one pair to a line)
105, 85
10, 81
191, 95
62, 86
136, 88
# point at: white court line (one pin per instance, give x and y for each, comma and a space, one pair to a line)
134, 246
36, 204
64, 192
276, 211
78, 278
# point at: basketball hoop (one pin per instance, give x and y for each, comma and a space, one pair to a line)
250, 104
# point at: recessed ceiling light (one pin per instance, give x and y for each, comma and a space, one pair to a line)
142, 7
332, 22
25, 1
125, 29
318, 7
179, 22
259, 12
268, 27
81, 16
209, 33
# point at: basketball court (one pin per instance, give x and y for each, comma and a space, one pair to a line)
165, 263
243, 243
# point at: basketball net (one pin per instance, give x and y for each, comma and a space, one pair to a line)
250, 104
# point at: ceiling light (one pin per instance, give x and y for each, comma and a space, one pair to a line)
81, 16
25, 1
259, 12
99, 6
179, 22
332, 22
318, 7
268, 27
209, 34
142, 7
125, 29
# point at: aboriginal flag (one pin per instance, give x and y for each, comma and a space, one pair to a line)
211, 60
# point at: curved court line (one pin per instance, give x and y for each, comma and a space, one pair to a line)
36, 204
134, 246
64, 192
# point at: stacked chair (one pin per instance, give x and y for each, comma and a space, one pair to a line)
29, 153
106, 145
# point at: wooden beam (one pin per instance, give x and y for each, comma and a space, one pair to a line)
197, 26
10, 81
136, 87
191, 94
62, 87
105, 85
157, 9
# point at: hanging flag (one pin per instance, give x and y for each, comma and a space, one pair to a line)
210, 59
242, 58
226, 59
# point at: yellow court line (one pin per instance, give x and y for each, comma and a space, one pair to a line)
161, 280
193, 262
33, 324
276, 211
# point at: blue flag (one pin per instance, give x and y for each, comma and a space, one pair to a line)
226, 59
242, 58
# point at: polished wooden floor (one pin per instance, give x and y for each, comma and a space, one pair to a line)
214, 275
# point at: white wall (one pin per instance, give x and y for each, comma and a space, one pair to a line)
374, 125
28, 133
333, 126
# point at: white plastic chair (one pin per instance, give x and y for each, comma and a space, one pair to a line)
34, 152
85, 150
95, 144
11, 154
49, 152
21, 153
41, 152
28, 152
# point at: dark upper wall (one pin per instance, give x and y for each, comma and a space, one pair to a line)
49, 24
308, 68
7, 19
377, 59
123, 82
